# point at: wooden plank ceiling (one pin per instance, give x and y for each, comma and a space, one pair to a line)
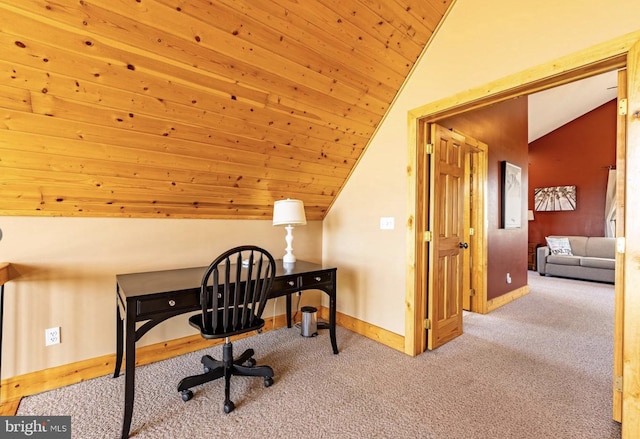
195, 108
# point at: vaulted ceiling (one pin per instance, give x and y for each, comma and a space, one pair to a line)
195, 108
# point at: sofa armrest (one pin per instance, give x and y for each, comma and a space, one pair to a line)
541, 260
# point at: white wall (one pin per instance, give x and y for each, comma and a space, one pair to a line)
481, 41
67, 269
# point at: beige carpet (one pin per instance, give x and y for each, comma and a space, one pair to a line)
540, 367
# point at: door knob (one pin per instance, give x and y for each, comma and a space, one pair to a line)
463, 245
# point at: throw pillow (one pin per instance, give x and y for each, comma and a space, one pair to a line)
559, 246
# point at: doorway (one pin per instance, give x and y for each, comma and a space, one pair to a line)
572, 69
450, 199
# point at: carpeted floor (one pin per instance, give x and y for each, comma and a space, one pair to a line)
539, 367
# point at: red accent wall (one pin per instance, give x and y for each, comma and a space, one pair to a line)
503, 127
579, 154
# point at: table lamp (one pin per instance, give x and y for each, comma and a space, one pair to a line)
289, 213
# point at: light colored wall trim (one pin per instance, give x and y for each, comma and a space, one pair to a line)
631, 300
365, 329
597, 59
496, 303
15, 388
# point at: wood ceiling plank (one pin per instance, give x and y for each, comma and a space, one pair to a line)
340, 27
167, 32
15, 98
314, 150
384, 22
93, 23
176, 101
59, 192
291, 26
208, 146
57, 108
141, 210
114, 156
46, 104
19, 69
428, 12
341, 64
93, 173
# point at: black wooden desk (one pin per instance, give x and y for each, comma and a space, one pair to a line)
155, 296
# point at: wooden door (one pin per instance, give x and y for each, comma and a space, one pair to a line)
446, 226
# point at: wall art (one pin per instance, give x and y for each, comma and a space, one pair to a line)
555, 198
511, 196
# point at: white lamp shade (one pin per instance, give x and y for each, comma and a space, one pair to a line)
288, 213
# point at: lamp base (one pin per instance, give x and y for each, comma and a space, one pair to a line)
288, 267
288, 257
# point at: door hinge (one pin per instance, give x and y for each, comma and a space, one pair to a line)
617, 384
427, 324
428, 148
427, 236
472, 292
622, 107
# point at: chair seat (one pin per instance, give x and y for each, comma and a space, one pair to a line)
220, 331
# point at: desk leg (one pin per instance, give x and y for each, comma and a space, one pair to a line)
288, 310
119, 340
129, 371
332, 321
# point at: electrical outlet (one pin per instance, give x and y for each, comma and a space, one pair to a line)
52, 336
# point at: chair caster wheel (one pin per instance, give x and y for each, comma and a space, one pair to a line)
187, 395
268, 382
250, 362
206, 369
229, 406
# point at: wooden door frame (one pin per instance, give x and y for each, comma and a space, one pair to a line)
618, 330
604, 57
477, 221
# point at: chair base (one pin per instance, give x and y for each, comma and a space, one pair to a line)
244, 365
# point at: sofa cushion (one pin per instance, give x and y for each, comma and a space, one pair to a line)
607, 263
578, 245
563, 260
559, 246
600, 247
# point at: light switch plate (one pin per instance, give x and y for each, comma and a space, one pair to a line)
387, 223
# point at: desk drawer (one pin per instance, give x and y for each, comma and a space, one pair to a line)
286, 284
316, 279
168, 303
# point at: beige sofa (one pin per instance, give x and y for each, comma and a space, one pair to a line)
593, 258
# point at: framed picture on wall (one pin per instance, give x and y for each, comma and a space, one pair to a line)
511, 196
555, 198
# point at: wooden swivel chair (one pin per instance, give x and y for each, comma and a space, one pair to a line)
244, 276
